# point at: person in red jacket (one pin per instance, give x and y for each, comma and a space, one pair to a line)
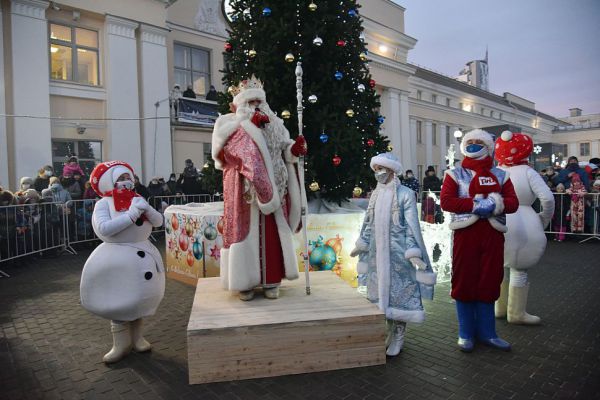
478, 196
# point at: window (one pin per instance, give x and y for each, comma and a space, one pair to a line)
434, 134
89, 153
207, 150
192, 67
419, 95
74, 54
482, 110
447, 135
434, 98
460, 105
419, 133
447, 101
492, 113
584, 149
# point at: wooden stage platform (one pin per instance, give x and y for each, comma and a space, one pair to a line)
333, 328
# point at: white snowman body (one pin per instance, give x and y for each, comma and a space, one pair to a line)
123, 279
525, 241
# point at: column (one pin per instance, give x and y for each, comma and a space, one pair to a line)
428, 144
4, 181
443, 148
413, 146
156, 134
407, 149
392, 121
32, 146
122, 100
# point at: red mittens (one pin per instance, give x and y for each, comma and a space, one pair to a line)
299, 148
260, 119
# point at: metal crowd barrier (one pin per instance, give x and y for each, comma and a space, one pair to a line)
79, 222
575, 214
32, 229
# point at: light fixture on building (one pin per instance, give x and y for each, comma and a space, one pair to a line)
458, 134
383, 48
53, 49
76, 15
80, 129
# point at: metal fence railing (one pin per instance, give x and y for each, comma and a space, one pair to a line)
79, 222
31, 228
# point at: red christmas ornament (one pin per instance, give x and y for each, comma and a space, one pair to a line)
336, 160
372, 83
370, 142
189, 258
228, 47
341, 43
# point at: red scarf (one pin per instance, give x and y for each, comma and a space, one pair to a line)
484, 181
122, 198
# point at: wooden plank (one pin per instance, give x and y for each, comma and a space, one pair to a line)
333, 328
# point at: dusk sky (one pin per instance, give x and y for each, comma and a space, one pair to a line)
547, 51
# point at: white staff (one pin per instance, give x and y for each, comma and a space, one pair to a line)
300, 109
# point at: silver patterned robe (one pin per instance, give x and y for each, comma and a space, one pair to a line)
389, 237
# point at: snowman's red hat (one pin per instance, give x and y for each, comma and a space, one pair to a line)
104, 176
513, 148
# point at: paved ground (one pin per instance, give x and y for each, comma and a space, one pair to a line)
51, 348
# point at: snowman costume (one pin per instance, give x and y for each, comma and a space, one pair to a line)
525, 240
392, 253
123, 279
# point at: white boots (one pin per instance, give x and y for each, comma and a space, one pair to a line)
395, 337
125, 336
517, 301
502, 302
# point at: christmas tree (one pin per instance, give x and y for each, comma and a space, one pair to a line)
341, 108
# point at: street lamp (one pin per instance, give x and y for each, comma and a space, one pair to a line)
458, 134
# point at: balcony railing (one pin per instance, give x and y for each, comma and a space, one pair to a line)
198, 112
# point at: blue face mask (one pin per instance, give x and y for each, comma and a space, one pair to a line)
474, 148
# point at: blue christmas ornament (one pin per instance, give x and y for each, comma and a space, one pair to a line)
322, 257
197, 250
352, 13
324, 138
338, 75
266, 11
380, 119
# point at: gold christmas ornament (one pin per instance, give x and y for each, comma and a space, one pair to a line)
252, 53
314, 186
286, 114
363, 56
357, 191
390, 147
312, 6
350, 112
289, 57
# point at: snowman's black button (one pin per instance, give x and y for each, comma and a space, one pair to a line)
139, 222
148, 275
141, 254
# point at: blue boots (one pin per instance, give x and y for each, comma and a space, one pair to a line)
477, 318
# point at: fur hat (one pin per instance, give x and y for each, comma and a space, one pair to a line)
105, 174
596, 182
387, 160
513, 148
479, 134
7, 198
25, 180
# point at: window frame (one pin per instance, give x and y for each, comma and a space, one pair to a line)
448, 102
191, 71
434, 98
74, 57
419, 95
75, 152
584, 146
419, 132
448, 139
434, 141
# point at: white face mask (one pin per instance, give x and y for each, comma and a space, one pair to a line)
48, 173
382, 175
25, 186
124, 185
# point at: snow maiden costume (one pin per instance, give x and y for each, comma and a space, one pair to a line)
478, 197
392, 253
525, 240
123, 279
261, 193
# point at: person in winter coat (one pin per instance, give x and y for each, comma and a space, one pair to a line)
478, 196
430, 183
72, 167
411, 182
43, 180
89, 193
74, 186
25, 183
577, 193
392, 253
55, 192
139, 188
189, 178
566, 175
172, 185
155, 189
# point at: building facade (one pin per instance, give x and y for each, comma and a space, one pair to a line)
97, 79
